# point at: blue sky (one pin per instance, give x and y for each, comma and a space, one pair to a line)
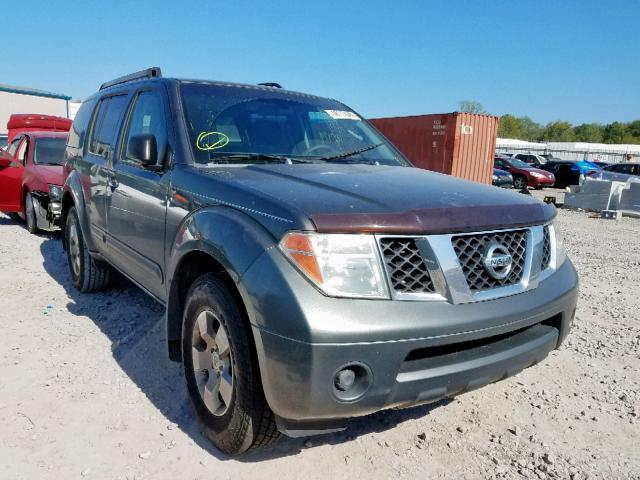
572, 60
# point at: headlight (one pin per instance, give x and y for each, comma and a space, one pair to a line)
55, 192
495, 177
561, 253
340, 265
537, 175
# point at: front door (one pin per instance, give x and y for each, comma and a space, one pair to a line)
138, 197
11, 172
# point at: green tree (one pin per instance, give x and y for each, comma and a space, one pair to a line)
509, 127
471, 106
633, 128
558, 131
589, 132
531, 130
616, 132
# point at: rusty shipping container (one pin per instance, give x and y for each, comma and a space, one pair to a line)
459, 144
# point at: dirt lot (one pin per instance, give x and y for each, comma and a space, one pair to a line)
87, 391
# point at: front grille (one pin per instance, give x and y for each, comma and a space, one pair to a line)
470, 250
546, 249
405, 266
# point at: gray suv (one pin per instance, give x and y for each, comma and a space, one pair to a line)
310, 274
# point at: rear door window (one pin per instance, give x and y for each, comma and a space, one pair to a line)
106, 123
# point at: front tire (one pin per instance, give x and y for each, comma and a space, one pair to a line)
221, 370
519, 183
30, 214
87, 273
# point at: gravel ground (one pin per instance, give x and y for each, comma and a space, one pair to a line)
87, 390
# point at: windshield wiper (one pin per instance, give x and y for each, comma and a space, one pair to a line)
351, 153
257, 157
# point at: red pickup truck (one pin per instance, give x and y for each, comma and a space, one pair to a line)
31, 170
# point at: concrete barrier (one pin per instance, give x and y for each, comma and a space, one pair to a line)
630, 197
598, 195
594, 194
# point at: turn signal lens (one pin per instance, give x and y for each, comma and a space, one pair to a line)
338, 264
300, 250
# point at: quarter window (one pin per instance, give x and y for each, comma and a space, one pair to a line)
23, 149
14, 146
105, 126
147, 118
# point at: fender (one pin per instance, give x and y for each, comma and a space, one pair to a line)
230, 238
72, 189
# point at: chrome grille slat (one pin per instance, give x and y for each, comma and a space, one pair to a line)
405, 266
470, 251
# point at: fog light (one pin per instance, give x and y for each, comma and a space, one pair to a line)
351, 382
345, 379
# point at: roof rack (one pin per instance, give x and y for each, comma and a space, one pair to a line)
271, 84
148, 73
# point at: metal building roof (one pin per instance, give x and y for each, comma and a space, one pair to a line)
32, 91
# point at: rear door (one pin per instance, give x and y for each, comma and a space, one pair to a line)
11, 176
105, 126
138, 196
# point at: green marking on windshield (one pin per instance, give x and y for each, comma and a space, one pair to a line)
202, 142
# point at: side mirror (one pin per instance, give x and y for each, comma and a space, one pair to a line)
4, 161
143, 148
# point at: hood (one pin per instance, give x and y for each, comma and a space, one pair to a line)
501, 173
48, 173
366, 198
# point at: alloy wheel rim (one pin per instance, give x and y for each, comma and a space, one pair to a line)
519, 183
212, 362
74, 249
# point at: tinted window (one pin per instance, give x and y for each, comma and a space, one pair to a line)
80, 124
147, 117
49, 151
105, 128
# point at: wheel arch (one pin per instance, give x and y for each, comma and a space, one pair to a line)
73, 196
221, 240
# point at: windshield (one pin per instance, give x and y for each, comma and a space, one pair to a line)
49, 151
514, 162
235, 124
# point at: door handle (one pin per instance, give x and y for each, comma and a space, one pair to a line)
112, 182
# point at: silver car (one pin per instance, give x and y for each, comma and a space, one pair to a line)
620, 172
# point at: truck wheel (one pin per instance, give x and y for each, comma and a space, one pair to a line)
30, 214
519, 183
221, 370
87, 273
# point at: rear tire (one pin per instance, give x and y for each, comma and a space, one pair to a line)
87, 273
221, 370
30, 214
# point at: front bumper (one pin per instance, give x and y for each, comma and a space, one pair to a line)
541, 182
413, 352
504, 182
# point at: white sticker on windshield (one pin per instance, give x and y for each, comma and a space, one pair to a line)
342, 115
